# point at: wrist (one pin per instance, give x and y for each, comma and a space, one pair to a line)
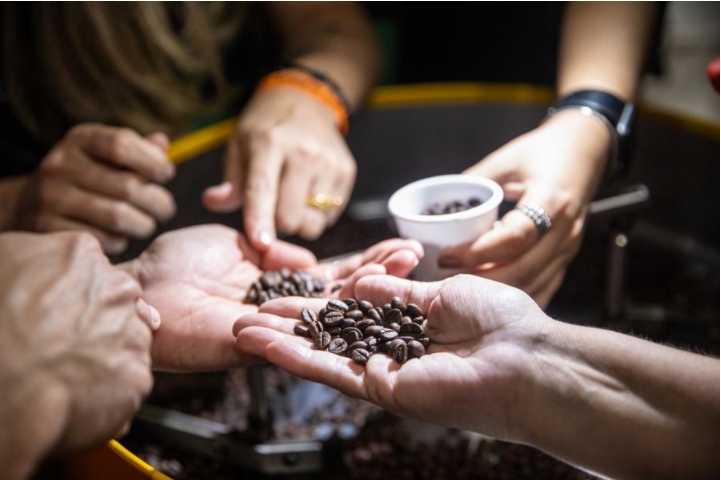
33, 416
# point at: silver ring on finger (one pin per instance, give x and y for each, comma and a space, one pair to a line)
538, 216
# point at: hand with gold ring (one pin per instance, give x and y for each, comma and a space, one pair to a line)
324, 202
553, 172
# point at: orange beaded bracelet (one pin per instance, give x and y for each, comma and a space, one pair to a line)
312, 86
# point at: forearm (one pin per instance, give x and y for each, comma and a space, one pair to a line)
10, 194
333, 37
624, 407
603, 46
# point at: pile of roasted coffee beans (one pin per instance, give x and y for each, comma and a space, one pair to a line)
360, 329
455, 206
285, 283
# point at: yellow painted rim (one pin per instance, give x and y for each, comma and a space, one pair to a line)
395, 96
136, 462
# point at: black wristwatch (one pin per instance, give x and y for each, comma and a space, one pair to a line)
617, 115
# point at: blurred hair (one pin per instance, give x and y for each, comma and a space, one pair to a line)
150, 66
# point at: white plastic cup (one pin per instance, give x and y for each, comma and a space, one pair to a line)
440, 232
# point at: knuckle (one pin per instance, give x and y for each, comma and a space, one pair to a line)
130, 185
120, 144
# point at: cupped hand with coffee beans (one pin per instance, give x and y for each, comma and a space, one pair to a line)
74, 347
496, 364
286, 148
198, 278
556, 167
102, 180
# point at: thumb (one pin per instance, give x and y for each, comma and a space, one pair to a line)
282, 254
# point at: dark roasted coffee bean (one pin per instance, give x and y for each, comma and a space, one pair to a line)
333, 289
347, 322
284, 273
373, 331
363, 324
410, 329
351, 335
376, 314
474, 202
252, 296
425, 341
399, 351
386, 307
416, 349
395, 327
351, 302
321, 342
315, 329
360, 356
263, 297
373, 349
333, 319
339, 346
321, 313
272, 294
397, 303
308, 285
406, 338
337, 305
405, 320
392, 316
268, 280
334, 331
355, 345
388, 334
413, 310
302, 331
364, 306
419, 320
308, 316
371, 341
356, 315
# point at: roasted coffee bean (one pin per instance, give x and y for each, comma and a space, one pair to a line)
392, 316
410, 328
453, 206
413, 310
375, 315
363, 324
334, 331
308, 316
395, 327
351, 335
334, 288
406, 338
360, 356
386, 307
282, 283
315, 329
373, 331
373, 349
398, 304
263, 297
364, 306
272, 294
339, 346
355, 345
333, 319
416, 349
284, 273
302, 331
267, 280
388, 334
337, 305
398, 350
322, 341
405, 320
351, 302
356, 315
419, 320
371, 341
425, 341
321, 313
347, 322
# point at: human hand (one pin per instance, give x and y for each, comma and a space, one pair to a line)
74, 347
556, 167
286, 147
94, 180
483, 338
198, 278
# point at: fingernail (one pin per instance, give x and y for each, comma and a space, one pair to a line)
449, 261
263, 236
223, 189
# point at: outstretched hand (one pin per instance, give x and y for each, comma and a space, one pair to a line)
197, 278
483, 334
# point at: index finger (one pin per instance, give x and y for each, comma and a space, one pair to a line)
261, 192
125, 148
